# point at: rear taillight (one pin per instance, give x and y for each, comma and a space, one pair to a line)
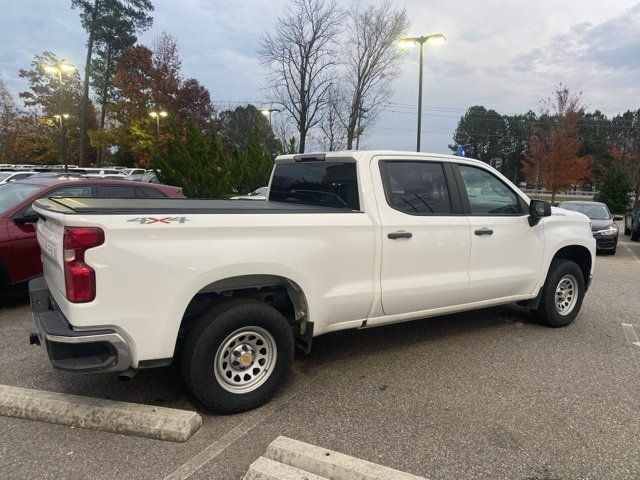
80, 278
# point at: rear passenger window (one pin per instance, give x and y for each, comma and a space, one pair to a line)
76, 191
152, 192
416, 188
487, 194
116, 191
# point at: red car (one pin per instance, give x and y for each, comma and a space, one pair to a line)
19, 250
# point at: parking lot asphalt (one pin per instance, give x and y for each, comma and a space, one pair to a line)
485, 394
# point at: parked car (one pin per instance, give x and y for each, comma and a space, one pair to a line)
19, 251
632, 222
344, 240
257, 194
8, 177
603, 224
112, 176
150, 177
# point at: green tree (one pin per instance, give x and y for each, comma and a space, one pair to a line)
481, 132
237, 126
595, 131
110, 24
624, 142
515, 143
195, 163
614, 189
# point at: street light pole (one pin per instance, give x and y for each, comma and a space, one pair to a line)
408, 41
58, 69
420, 97
268, 111
157, 115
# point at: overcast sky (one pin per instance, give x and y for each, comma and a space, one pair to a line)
503, 54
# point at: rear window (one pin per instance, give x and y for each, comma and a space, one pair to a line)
325, 184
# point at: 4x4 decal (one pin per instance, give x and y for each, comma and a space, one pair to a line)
150, 220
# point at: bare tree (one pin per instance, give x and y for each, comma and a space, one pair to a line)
300, 56
8, 116
372, 61
332, 135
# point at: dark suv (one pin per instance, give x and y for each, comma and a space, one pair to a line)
19, 250
632, 222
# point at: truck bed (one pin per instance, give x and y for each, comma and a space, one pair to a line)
174, 206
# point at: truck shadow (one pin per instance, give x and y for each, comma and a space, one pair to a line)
369, 341
164, 387
14, 296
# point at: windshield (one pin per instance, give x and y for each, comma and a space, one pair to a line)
13, 194
260, 191
593, 211
4, 176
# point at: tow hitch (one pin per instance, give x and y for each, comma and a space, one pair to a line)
34, 339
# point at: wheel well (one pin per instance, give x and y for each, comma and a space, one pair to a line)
280, 292
578, 254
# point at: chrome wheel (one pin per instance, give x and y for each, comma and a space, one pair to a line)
566, 294
245, 359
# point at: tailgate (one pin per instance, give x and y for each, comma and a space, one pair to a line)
50, 237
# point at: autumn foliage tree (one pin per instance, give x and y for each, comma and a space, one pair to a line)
553, 160
149, 80
39, 135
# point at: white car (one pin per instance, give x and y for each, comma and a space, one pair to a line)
257, 194
346, 240
7, 177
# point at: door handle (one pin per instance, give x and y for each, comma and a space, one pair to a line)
400, 234
484, 231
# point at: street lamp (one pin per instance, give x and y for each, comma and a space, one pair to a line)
268, 111
435, 39
157, 116
59, 118
57, 69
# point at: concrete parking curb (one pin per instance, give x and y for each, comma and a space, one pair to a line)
267, 469
329, 464
108, 415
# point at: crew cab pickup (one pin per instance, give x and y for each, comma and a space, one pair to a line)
345, 240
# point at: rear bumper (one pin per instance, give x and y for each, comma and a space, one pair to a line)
102, 350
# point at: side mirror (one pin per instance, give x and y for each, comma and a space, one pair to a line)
537, 210
617, 218
28, 216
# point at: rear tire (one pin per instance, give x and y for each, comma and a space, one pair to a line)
237, 356
561, 295
627, 231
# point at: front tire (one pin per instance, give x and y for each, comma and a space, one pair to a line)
237, 356
635, 235
562, 294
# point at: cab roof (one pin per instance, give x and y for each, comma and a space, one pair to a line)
360, 155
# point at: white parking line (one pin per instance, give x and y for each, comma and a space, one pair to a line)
631, 252
216, 448
630, 333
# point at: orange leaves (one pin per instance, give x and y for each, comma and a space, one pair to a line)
553, 160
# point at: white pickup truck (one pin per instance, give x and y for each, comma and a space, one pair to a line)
344, 240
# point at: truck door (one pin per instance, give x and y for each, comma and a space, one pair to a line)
506, 253
425, 236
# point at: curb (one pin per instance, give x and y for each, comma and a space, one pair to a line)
107, 415
266, 469
310, 462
